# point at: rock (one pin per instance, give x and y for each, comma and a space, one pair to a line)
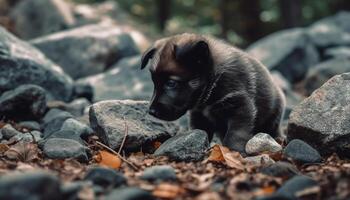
105, 177
24, 102
280, 169
294, 185
301, 152
280, 80
159, 173
77, 127
322, 119
189, 146
33, 185
21, 64
337, 52
288, 51
83, 90
129, 193
108, 119
8, 131
87, 50
65, 134
322, 72
71, 190
261, 143
76, 107
123, 81
324, 35
338, 21
292, 99
54, 120
59, 148
37, 135
31, 125
263, 159
54, 15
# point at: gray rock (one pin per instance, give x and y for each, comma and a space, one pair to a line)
107, 120
261, 143
294, 185
54, 15
323, 71
31, 125
337, 52
106, 178
325, 35
77, 127
83, 90
289, 51
280, 169
65, 134
337, 21
301, 152
37, 135
129, 193
87, 50
189, 146
59, 148
24, 102
33, 185
21, 64
54, 120
76, 107
122, 81
263, 159
71, 190
8, 131
322, 119
159, 173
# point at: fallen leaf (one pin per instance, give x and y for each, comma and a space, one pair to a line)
156, 144
167, 191
107, 159
4, 148
222, 154
24, 152
265, 191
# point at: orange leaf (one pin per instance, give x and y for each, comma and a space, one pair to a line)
167, 191
156, 144
265, 191
222, 154
107, 159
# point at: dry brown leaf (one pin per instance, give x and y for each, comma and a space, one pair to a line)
222, 154
4, 148
167, 191
265, 191
107, 159
156, 144
24, 152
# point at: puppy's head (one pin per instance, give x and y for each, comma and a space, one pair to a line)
179, 67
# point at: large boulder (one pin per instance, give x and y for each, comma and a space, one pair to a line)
322, 120
289, 51
21, 64
88, 49
111, 120
34, 18
123, 81
322, 72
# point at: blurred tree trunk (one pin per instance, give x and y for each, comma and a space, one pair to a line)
163, 13
251, 25
224, 18
290, 13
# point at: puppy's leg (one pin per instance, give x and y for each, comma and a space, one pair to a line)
198, 121
240, 112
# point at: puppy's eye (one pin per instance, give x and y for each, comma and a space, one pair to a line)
171, 84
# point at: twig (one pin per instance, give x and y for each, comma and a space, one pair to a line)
116, 153
125, 135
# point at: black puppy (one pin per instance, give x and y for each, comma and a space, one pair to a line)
227, 92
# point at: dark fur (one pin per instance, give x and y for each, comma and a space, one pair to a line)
227, 91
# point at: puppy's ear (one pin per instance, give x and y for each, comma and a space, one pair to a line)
196, 53
147, 56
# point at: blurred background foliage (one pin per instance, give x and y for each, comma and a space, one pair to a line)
239, 21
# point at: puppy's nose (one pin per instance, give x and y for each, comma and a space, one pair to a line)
152, 111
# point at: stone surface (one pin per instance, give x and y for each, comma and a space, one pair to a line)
53, 120
54, 15
33, 185
88, 49
189, 146
83, 90
289, 51
323, 71
65, 134
159, 173
301, 152
21, 64
59, 148
30, 125
261, 143
108, 119
77, 127
129, 193
280, 169
263, 159
337, 52
8, 131
105, 177
322, 119
298, 183
325, 35
123, 81
76, 107
24, 102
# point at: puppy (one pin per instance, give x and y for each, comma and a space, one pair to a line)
226, 91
